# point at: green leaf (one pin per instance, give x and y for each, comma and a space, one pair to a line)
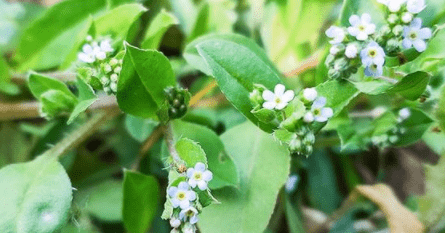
139, 128
158, 26
416, 125
5, 80
373, 87
54, 102
36, 196
440, 112
104, 201
237, 63
384, 123
190, 152
220, 163
412, 85
39, 84
42, 49
141, 195
144, 76
355, 135
263, 167
201, 25
432, 203
86, 98
338, 94
186, 13
359, 7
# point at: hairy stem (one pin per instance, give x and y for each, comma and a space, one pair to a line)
168, 132
148, 144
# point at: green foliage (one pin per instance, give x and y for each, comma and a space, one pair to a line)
262, 174
144, 76
440, 112
412, 85
415, 126
338, 94
141, 194
86, 98
36, 196
190, 152
104, 200
237, 63
158, 26
5, 80
139, 128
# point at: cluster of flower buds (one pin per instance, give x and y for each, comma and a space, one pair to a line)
185, 199
295, 118
392, 136
95, 51
177, 99
361, 44
111, 71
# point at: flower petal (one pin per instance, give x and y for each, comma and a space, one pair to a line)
191, 195
183, 186
288, 96
370, 29
407, 43
279, 90
207, 175
308, 117
184, 204
362, 36
190, 172
175, 202
281, 105
172, 191
194, 219
268, 95
192, 182
320, 102
354, 20
425, 33
201, 167
269, 105
310, 94
320, 119
419, 45
353, 31
327, 112
416, 23
366, 18
202, 185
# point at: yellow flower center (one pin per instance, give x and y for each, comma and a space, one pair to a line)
181, 196
198, 176
372, 53
361, 27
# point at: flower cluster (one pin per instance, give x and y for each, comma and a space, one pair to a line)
177, 101
296, 119
392, 136
184, 198
105, 69
361, 44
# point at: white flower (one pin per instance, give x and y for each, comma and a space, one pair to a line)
361, 27
174, 230
310, 94
320, 113
87, 54
334, 50
407, 17
351, 51
199, 176
415, 6
336, 33
404, 113
393, 5
415, 35
308, 117
290, 183
105, 46
98, 53
174, 222
190, 214
279, 99
89, 38
373, 54
181, 196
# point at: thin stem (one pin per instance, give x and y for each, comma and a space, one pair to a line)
148, 144
168, 132
307, 64
194, 100
388, 79
62, 76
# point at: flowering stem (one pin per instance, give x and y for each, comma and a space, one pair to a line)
168, 132
194, 100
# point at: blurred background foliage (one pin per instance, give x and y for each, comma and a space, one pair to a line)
292, 34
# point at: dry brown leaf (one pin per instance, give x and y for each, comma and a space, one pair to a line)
400, 219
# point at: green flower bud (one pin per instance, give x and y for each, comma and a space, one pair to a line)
334, 74
330, 60
397, 30
309, 149
309, 139
393, 19
393, 46
295, 145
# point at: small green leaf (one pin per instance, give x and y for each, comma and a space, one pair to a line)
237, 63
139, 128
190, 152
338, 94
158, 26
141, 195
86, 99
54, 102
416, 125
264, 167
201, 25
373, 87
412, 85
36, 196
355, 135
220, 163
168, 210
264, 115
144, 76
39, 84
384, 123
104, 201
5, 80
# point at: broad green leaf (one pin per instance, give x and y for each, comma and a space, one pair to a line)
237, 63
201, 24
190, 152
157, 29
144, 76
415, 126
321, 171
359, 7
104, 201
139, 128
440, 112
384, 123
432, 203
141, 195
5, 80
220, 163
412, 85
42, 49
263, 168
36, 196
186, 13
86, 98
338, 94
39, 84
372, 87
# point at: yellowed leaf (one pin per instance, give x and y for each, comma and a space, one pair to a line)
400, 219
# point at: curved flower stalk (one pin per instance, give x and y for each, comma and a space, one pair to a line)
402, 31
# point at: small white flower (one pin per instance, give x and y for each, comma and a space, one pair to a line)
393, 138
190, 214
89, 38
393, 5
114, 77
373, 54
351, 51
404, 113
290, 183
415, 6
321, 114
113, 62
174, 222
378, 111
334, 50
105, 81
361, 27
87, 54
407, 17
279, 99
310, 94
374, 70
113, 87
105, 46
98, 53
199, 176
108, 68
337, 34
415, 35
308, 117
181, 196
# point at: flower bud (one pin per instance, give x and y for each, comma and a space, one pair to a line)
336, 49
393, 139
407, 17
113, 87
114, 77
393, 19
393, 46
309, 149
113, 62
295, 145
330, 60
105, 81
397, 30
309, 139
